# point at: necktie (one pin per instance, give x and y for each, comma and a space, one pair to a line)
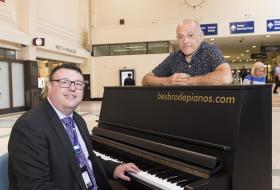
71, 131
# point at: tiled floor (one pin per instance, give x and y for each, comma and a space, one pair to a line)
90, 111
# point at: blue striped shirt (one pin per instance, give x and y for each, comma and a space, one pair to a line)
249, 79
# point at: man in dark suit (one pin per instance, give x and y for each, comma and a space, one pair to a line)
129, 81
46, 152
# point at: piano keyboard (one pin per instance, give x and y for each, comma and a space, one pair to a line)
158, 177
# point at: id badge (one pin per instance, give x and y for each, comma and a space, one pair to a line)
86, 178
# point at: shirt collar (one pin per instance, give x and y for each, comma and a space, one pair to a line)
59, 113
202, 44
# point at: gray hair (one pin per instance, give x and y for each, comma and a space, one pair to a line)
190, 21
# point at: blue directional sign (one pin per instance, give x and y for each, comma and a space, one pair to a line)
242, 27
209, 29
273, 25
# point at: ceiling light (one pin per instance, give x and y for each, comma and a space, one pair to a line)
134, 47
233, 60
242, 54
268, 36
247, 50
254, 46
212, 39
120, 50
237, 57
226, 56
141, 49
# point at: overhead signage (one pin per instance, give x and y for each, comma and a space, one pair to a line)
272, 48
273, 25
66, 49
242, 27
258, 55
209, 29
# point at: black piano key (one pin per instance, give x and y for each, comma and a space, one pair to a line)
141, 163
191, 177
183, 183
155, 167
156, 170
151, 168
147, 167
177, 179
167, 175
163, 172
164, 175
172, 177
188, 180
125, 160
180, 181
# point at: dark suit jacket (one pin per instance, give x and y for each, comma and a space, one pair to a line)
41, 155
129, 81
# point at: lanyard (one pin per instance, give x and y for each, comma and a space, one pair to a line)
75, 142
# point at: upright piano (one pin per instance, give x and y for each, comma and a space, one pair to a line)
191, 138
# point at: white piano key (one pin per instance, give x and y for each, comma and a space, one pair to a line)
105, 157
144, 176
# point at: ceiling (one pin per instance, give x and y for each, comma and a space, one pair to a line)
236, 47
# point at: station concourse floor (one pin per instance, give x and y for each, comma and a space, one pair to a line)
90, 111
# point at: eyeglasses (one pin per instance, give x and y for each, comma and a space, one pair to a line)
65, 83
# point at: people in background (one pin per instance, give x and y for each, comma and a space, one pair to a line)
243, 73
236, 78
129, 81
50, 147
257, 75
277, 78
197, 62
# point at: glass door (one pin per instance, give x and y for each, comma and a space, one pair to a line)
4, 85
18, 84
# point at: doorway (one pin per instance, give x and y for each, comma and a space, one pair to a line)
87, 88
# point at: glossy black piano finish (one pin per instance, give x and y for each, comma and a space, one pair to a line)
223, 131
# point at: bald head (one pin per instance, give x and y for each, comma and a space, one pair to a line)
189, 36
187, 22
